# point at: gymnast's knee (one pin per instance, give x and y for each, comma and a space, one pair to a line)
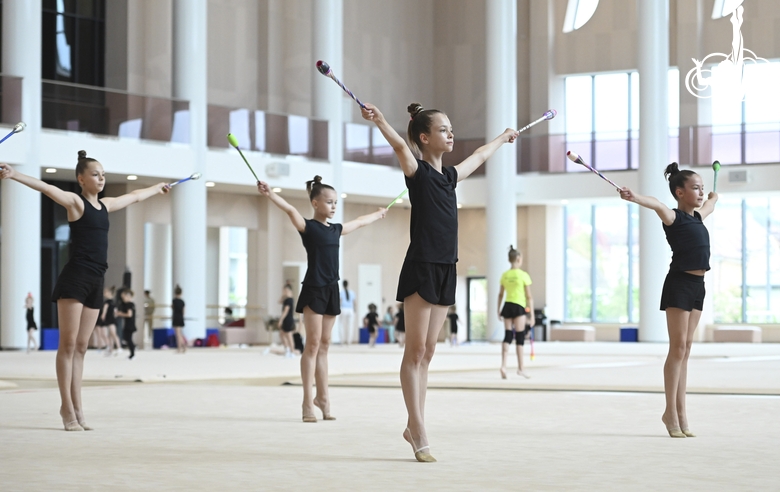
508, 336
520, 337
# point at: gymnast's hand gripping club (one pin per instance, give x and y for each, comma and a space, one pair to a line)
325, 70
548, 115
18, 128
232, 140
194, 176
575, 158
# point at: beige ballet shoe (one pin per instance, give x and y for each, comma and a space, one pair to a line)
72, 426
674, 431
325, 416
85, 426
503, 373
419, 455
687, 433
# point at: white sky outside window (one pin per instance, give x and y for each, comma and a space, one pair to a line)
578, 12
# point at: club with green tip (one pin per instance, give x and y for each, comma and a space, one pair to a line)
716, 168
397, 198
232, 140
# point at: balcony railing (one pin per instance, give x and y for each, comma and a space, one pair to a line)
689, 146
81, 108
10, 99
268, 132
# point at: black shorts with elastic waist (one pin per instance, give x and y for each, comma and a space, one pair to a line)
683, 291
434, 282
512, 310
79, 284
322, 300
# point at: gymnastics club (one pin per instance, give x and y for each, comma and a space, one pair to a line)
575, 158
533, 356
195, 176
397, 198
232, 140
715, 167
548, 115
18, 128
325, 70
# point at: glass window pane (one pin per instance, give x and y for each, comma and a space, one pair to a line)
757, 259
674, 98
634, 210
611, 102
578, 263
579, 106
726, 260
635, 100
612, 263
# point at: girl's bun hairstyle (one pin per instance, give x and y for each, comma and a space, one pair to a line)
419, 122
315, 186
676, 177
513, 254
83, 163
177, 291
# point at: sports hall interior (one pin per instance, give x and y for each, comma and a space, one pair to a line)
150, 88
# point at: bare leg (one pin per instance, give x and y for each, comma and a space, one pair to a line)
70, 313
322, 400
113, 340
313, 323
423, 322
682, 385
677, 324
519, 323
181, 342
401, 337
86, 327
505, 347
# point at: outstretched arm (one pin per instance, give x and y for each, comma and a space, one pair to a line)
709, 205
118, 203
295, 217
363, 220
405, 156
483, 153
665, 213
67, 199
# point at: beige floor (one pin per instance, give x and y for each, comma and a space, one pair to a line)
220, 419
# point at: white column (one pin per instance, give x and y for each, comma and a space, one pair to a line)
21, 207
328, 45
189, 202
501, 113
157, 269
653, 156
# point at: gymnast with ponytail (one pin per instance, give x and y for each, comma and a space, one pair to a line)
79, 289
428, 277
319, 297
682, 296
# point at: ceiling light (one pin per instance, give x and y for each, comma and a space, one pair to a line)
132, 177
343, 195
400, 201
460, 205
51, 170
210, 184
277, 190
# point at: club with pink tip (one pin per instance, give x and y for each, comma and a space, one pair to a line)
325, 70
575, 158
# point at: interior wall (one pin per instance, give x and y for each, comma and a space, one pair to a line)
150, 47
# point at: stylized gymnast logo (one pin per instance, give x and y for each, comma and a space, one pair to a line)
726, 79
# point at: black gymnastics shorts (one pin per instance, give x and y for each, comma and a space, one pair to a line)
683, 291
434, 282
512, 310
321, 300
288, 325
83, 286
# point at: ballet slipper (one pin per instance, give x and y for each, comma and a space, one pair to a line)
521, 373
325, 416
687, 433
72, 425
673, 431
419, 455
503, 373
310, 419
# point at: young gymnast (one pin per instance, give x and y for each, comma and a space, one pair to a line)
427, 281
178, 320
79, 289
286, 322
371, 321
452, 315
31, 326
127, 311
319, 297
682, 296
400, 328
108, 321
517, 285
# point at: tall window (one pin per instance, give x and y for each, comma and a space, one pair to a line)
745, 238
601, 263
74, 41
602, 119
